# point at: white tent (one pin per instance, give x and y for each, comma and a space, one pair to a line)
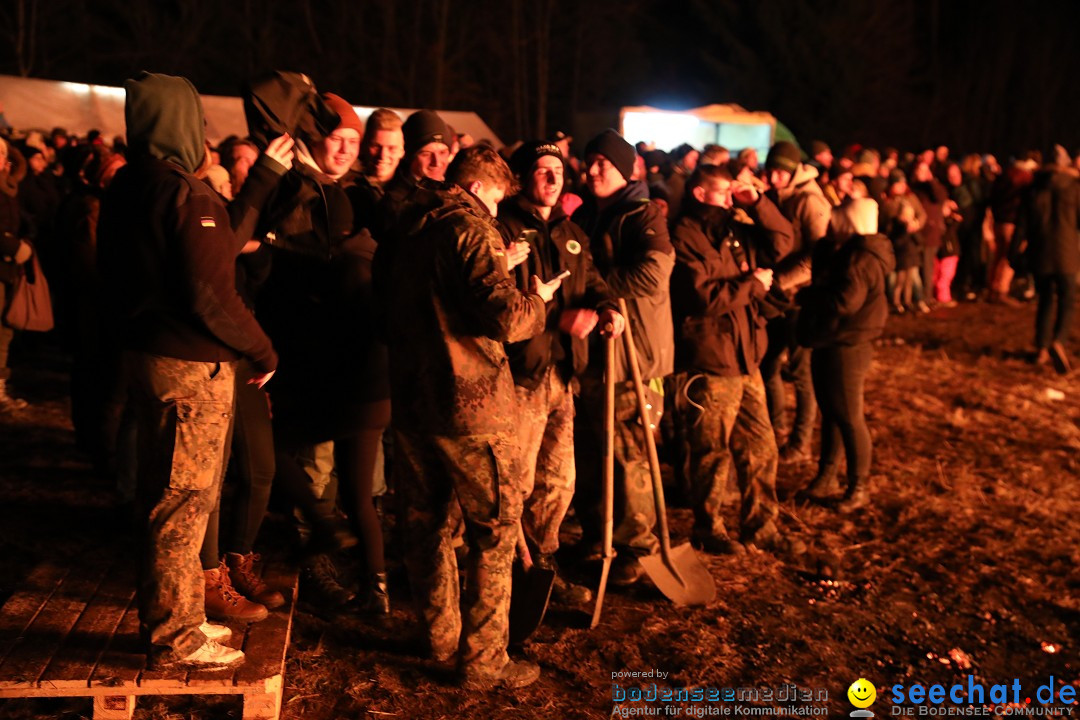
732, 126
30, 104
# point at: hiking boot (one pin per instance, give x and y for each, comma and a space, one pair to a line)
567, 593
562, 590
794, 453
1060, 358
822, 487
514, 674
248, 583
856, 497
626, 570
212, 656
217, 633
377, 598
718, 545
224, 603
320, 585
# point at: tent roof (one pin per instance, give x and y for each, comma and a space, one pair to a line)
31, 104
716, 113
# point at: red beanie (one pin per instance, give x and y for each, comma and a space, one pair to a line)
349, 118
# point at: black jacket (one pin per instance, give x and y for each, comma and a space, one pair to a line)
632, 250
715, 297
1048, 222
556, 245
846, 304
167, 252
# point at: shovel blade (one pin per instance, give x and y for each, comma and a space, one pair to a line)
530, 593
682, 577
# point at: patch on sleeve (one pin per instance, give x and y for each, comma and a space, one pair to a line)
207, 221
573, 247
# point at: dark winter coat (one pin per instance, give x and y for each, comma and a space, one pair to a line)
556, 244
846, 303
1048, 222
715, 297
632, 250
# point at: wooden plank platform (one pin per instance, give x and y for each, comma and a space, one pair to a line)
75, 633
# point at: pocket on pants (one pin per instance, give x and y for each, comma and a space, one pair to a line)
199, 444
487, 480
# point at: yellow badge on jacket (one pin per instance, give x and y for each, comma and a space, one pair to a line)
573, 247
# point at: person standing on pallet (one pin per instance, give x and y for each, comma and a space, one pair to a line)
167, 254
544, 366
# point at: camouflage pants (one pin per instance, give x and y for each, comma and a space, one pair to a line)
546, 439
184, 412
481, 474
733, 421
635, 508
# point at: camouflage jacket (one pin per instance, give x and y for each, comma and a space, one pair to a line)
451, 306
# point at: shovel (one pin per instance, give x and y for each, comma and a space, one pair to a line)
530, 591
676, 572
609, 471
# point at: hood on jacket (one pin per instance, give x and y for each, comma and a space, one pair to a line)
164, 118
879, 246
287, 102
801, 182
858, 216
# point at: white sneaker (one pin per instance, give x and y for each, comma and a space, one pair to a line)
217, 633
212, 655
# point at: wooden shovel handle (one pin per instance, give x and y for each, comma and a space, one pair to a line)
650, 441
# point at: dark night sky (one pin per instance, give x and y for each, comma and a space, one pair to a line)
976, 75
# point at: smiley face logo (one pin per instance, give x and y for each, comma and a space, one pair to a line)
862, 693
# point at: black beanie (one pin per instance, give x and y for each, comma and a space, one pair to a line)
423, 127
817, 147
523, 159
783, 155
620, 153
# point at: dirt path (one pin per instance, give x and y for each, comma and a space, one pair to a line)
968, 562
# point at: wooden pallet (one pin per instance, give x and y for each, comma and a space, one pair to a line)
74, 633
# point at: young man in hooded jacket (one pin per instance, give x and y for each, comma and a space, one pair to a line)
168, 253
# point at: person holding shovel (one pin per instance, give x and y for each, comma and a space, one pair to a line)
545, 365
629, 239
721, 276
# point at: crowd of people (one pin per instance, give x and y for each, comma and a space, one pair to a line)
345, 311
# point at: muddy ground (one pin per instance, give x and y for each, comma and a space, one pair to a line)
967, 563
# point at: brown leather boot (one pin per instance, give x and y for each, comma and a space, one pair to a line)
248, 583
223, 603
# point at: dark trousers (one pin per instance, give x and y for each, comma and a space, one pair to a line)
1048, 326
782, 337
839, 374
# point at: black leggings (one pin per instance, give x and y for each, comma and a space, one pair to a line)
355, 457
839, 374
252, 455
